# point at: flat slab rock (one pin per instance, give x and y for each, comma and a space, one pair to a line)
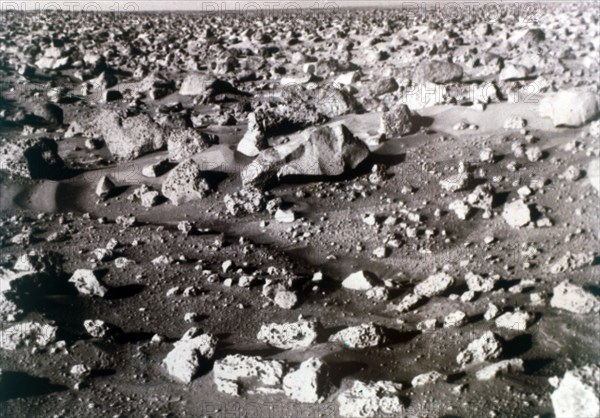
290, 335
360, 280
371, 399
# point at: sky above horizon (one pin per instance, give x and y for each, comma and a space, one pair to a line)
215, 5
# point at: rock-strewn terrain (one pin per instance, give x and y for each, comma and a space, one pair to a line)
346, 213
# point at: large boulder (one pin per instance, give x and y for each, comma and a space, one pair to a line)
31, 158
439, 72
570, 108
200, 84
578, 394
327, 151
129, 137
185, 183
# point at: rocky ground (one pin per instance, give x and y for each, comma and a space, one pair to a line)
348, 213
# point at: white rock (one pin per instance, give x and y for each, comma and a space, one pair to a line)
570, 108
27, 334
517, 213
87, 283
516, 321
479, 283
502, 367
188, 356
231, 372
285, 215
360, 280
348, 79
371, 399
461, 209
309, 383
578, 394
289, 335
593, 173
491, 312
80, 371
574, 299
455, 319
434, 285
428, 378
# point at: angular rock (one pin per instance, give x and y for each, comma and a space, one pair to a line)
515, 321
290, 335
329, 151
434, 285
189, 356
234, 373
478, 283
574, 299
31, 158
245, 201
398, 121
361, 336
517, 214
28, 334
485, 348
503, 367
428, 379
185, 143
105, 187
87, 283
578, 394
571, 262
371, 399
360, 280
309, 383
130, 137
571, 108
438, 72
185, 183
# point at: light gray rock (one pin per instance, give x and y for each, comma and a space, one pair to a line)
517, 214
189, 356
485, 348
289, 335
87, 283
503, 367
574, 299
361, 336
361, 280
398, 121
185, 143
185, 183
571, 108
428, 379
578, 394
515, 321
434, 285
28, 334
309, 383
371, 399
129, 137
234, 373
439, 72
